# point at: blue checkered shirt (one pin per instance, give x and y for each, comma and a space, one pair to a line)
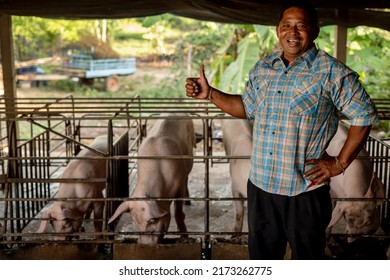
295, 112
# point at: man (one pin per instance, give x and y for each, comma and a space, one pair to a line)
294, 97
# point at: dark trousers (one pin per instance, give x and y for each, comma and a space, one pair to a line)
300, 220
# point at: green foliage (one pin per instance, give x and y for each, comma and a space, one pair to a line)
236, 73
325, 40
38, 37
31, 37
260, 41
369, 55
65, 85
204, 44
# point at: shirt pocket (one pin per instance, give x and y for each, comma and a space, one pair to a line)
305, 98
260, 91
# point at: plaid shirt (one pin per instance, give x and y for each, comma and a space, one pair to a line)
295, 112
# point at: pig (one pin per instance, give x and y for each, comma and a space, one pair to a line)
67, 216
161, 178
359, 181
237, 141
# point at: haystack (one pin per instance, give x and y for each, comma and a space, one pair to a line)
96, 47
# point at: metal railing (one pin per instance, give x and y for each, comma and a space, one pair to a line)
68, 125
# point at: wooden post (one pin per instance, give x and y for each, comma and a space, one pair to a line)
340, 34
340, 41
7, 59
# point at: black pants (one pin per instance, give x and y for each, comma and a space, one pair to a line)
299, 220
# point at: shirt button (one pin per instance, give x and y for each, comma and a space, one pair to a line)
279, 91
285, 72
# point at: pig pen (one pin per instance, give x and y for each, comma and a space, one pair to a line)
31, 176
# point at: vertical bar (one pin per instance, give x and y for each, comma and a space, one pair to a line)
340, 49
207, 151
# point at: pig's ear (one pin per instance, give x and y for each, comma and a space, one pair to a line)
67, 213
337, 213
376, 189
45, 219
122, 208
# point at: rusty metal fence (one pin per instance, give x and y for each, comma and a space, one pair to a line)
48, 133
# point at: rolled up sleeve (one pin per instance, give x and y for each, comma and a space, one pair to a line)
353, 101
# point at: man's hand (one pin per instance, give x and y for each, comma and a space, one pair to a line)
198, 87
324, 169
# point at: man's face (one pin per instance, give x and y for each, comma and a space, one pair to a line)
295, 32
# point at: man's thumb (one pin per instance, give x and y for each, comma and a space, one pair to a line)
201, 74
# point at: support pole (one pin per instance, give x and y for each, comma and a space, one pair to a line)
7, 59
340, 41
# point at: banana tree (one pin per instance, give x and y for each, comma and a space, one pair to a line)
259, 41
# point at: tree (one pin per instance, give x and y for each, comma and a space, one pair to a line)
36, 37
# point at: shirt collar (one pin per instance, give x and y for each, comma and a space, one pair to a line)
308, 58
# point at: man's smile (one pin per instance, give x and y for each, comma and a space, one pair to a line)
293, 42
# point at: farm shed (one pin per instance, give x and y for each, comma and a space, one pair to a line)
58, 128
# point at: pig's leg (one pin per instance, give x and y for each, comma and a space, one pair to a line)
179, 217
98, 217
239, 216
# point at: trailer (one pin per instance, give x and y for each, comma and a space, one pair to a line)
86, 68
82, 67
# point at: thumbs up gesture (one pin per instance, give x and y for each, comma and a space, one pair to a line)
198, 87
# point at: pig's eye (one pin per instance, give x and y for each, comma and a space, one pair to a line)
351, 219
65, 224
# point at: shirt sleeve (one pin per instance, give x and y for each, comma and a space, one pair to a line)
352, 101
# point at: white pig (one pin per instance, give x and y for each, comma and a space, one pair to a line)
161, 178
359, 181
237, 140
67, 216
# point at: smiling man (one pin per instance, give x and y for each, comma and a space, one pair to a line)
294, 97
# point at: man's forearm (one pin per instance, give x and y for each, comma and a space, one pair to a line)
229, 103
357, 137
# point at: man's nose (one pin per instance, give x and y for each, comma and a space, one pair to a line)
293, 29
